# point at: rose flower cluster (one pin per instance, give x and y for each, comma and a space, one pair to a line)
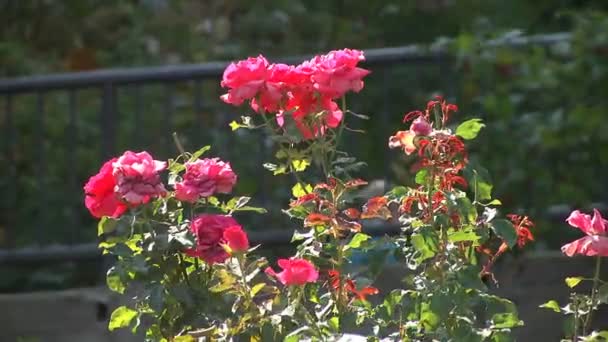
306, 92
134, 179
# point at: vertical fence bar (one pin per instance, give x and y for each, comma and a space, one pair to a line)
11, 179
167, 119
107, 121
41, 166
72, 160
197, 106
136, 134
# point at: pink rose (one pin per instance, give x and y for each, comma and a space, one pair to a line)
236, 238
337, 73
137, 177
100, 198
204, 177
421, 127
596, 241
209, 232
244, 79
295, 272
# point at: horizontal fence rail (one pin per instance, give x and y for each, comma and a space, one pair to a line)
117, 88
121, 76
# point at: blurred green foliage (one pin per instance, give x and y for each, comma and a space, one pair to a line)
545, 142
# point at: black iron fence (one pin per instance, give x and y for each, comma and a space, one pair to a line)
57, 129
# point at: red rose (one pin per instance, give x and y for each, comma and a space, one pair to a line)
295, 272
245, 79
203, 178
100, 198
236, 238
209, 232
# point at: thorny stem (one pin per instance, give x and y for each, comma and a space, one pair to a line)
575, 336
596, 281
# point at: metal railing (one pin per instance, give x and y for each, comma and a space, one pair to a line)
114, 85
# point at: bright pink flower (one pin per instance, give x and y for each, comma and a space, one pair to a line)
244, 79
209, 232
100, 198
236, 238
596, 228
421, 127
295, 272
337, 73
137, 177
204, 177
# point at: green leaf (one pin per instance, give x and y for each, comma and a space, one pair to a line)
463, 235
226, 281
551, 305
426, 244
298, 190
121, 318
422, 176
200, 152
484, 191
300, 165
334, 323
495, 201
469, 129
573, 281
184, 338
256, 288
506, 320
428, 318
467, 209
114, 282
106, 225
505, 230
356, 241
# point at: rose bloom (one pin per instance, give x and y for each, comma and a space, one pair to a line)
137, 177
100, 198
337, 73
295, 272
203, 178
209, 232
244, 79
596, 241
236, 238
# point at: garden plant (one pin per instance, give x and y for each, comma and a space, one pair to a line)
191, 273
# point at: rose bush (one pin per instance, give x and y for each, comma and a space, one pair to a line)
192, 274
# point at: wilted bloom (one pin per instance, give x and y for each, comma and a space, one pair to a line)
137, 177
204, 177
403, 140
209, 231
100, 198
596, 241
295, 272
522, 225
421, 126
236, 238
244, 79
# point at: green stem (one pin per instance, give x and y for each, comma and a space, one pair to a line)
183, 269
596, 280
178, 144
